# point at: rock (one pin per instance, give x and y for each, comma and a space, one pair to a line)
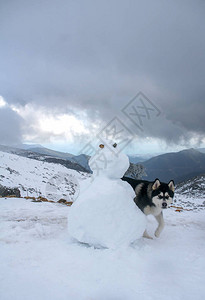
6, 192
62, 201
43, 199
69, 203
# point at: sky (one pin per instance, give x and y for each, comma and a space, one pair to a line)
72, 72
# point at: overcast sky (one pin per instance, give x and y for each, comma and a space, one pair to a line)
67, 68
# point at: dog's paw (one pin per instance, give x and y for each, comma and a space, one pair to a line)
157, 233
147, 236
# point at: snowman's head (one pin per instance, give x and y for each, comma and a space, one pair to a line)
109, 161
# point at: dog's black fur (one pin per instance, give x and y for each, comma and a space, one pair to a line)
152, 198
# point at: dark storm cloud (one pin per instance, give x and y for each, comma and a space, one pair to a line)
10, 127
96, 55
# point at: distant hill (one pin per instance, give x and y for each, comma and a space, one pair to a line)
202, 150
81, 159
179, 166
42, 150
41, 154
35, 178
27, 146
135, 159
190, 194
50, 152
194, 187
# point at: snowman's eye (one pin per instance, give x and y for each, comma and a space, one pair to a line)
114, 145
101, 146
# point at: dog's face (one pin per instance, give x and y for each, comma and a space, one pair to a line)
162, 193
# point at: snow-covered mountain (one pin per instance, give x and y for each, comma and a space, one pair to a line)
194, 187
190, 194
45, 151
39, 178
47, 155
81, 159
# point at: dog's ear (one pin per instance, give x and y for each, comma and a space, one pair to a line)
156, 184
171, 185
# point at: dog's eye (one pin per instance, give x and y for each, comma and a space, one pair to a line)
167, 197
160, 197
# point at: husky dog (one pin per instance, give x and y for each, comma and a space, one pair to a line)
152, 198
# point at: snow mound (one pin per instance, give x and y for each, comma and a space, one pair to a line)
105, 214
106, 219
111, 164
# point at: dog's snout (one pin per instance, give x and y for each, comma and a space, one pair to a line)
164, 204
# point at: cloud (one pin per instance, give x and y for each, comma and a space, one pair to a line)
10, 126
90, 58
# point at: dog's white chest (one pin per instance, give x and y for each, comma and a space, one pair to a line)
152, 210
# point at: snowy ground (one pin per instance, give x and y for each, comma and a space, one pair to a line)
38, 261
38, 178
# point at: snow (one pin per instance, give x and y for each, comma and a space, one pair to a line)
37, 178
109, 163
105, 214
39, 261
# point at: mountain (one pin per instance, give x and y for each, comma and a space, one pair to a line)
27, 146
45, 151
202, 150
81, 159
44, 156
39, 178
190, 194
179, 166
137, 159
37, 148
194, 187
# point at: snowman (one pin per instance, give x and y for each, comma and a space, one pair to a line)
105, 214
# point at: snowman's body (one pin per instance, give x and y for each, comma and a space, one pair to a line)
105, 214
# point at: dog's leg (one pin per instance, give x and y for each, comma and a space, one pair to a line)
160, 227
146, 235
